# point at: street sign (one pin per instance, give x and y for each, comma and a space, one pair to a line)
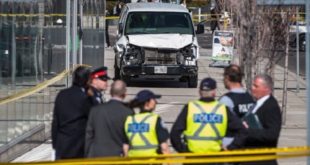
222, 46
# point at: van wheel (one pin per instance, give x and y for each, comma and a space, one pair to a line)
193, 81
126, 79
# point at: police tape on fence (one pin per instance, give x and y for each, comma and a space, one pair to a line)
247, 155
35, 89
38, 87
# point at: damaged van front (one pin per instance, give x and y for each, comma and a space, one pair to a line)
156, 41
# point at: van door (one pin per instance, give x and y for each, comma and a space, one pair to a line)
121, 21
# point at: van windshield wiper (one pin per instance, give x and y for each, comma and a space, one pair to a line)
138, 33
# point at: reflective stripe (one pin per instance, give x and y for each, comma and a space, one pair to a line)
147, 143
203, 138
206, 125
198, 131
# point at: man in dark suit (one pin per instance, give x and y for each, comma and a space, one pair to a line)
70, 118
105, 128
269, 115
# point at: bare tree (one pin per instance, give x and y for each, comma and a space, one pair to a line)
262, 34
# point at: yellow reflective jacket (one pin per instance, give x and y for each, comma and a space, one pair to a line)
206, 125
141, 131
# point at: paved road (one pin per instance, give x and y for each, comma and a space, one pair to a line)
175, 95
292, 62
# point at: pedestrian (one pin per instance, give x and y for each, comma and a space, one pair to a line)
105, 128
268, 112
205, 122
117, 9
98, 82
214, 20
237, 99
70, 118
146, 135
183, 3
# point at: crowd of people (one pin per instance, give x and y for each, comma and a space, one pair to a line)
85, 125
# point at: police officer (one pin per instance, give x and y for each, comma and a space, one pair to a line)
70, 118
204, 123
98, 82
238, 99
145, 132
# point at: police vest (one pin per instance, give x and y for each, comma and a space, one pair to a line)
206, 125
141, 131
243, 102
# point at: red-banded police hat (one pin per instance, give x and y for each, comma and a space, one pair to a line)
101, 73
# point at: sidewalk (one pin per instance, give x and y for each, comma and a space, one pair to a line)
294, 131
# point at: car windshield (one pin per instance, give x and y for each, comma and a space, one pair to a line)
158, 23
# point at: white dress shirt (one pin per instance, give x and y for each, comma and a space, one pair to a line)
260, 102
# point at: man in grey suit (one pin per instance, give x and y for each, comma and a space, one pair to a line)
105, 127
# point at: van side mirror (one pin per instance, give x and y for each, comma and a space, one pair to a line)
200, 28
120, 28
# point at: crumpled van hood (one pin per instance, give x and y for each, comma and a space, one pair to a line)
172, 41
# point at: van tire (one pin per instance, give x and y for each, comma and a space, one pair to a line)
116, 71
193, 81
126, 79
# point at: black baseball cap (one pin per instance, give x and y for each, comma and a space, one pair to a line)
207, 84
101, 73
145, 95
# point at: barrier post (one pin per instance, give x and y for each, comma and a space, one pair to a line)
199, 14
297, 50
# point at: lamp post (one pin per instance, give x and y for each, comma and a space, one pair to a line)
68, 22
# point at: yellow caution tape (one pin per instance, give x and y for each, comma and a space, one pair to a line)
215, 157
112, 17
32, 90
32, 15
39, 87
49, 15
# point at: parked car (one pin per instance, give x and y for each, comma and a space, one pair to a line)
302, 35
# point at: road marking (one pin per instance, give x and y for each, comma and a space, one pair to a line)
164, 107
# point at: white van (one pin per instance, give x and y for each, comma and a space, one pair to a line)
156, 41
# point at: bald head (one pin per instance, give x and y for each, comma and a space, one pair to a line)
118, 89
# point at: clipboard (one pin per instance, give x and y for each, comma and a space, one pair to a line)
253, 121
